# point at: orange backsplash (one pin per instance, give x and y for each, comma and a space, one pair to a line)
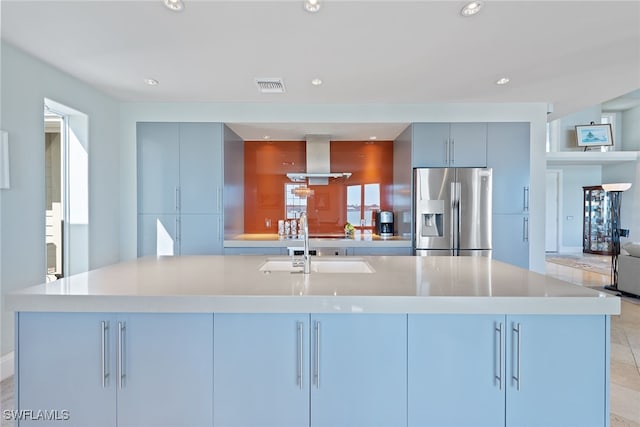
265, 166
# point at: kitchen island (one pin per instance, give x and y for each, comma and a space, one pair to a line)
232, 341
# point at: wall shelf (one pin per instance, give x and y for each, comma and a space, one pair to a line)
561, 158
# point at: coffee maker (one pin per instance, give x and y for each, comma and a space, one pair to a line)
384, 223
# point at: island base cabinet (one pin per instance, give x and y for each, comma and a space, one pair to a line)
513, 371
557, 370
358, 372
165, 378
456, 370
115, 370
261, 370
59, 369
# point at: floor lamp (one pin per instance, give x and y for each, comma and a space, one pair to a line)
616, 191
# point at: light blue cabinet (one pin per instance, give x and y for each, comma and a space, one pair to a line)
358, 372
524, 371
456, 370
317, 370
201, 168
180, 174
59, 368
508, 156
166, 370
261, 370
157, 234
511, 239
200, 234
285, 370
158, 167
449, 145
557, 371
125, 370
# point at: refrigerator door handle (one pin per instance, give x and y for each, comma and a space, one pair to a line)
455, 217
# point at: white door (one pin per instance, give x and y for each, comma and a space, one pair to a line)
552, 211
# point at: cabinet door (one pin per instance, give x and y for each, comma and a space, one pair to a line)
430, 145
60, 368
157, 167
468, 145
511, 239
358, 371
508, 155
558, 371
261, 370
157, 235
200, 168
167, 370
200, 234
456, 370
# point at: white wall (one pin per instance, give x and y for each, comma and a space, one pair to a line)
564, 137
631, 130
25, 82
573, 179
535, 113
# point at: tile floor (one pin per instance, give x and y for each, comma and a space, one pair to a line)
625, 353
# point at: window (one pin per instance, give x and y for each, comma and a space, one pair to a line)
294, 204
362, 203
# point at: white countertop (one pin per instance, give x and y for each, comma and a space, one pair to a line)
326, 241
400, 284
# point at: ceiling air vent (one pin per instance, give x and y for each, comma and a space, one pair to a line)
270, 85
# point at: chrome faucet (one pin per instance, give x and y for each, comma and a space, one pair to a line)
306, 258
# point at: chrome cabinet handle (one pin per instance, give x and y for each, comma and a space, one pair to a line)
453, 151
518, 331
300, 351
177, 199
446, 151
525, 199
219, 199
498, 376
316, 373
121, 373
525, 229
104, 327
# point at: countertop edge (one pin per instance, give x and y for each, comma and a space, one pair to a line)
314, 304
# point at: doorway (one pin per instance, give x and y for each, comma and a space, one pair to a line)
552, 219
54, 123
66, 190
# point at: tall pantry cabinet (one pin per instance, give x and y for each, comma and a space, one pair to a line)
508, 156
180, 182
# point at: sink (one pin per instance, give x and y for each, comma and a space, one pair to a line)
319, 265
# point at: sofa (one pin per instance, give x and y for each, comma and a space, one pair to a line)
629, 269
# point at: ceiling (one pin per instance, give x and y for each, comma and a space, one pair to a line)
571, 54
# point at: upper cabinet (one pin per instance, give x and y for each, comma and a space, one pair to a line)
158, 152
449, 145
180, 168
508, 155
180, 182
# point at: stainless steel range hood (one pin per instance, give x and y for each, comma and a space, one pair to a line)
318, 162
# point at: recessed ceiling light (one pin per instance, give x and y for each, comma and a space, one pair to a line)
316, 82
503, 81
373, 138
266, 137
151, 82
175, 5
312, 5
471, 9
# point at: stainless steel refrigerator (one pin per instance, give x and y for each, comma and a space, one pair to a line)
452, 211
